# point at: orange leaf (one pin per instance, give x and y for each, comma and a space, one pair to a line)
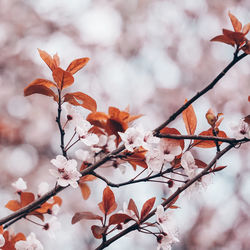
137, 159
88, 177
56, 60
132, 206
119, 218
98, 119
173, 131
63, 78
85, 216
208, 144
147, 206
39, 89
43, 82
13, 205
235, 22
26, 198
189, 119
246, 28
85, 190
77, 64
81, 99
17, 237
98, 231
47, 59
108, 204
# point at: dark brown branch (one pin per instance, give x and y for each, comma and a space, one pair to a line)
201, 93
202, 138
136, 226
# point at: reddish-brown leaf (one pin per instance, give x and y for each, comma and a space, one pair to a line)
208, 144
173, 131
17, 237
98, 231
147, 206
39, 89
247, 119
235, 22
189, 118
137, 159
217, 169
81, 99
56, 60
47, 59
223, 39
85, 190
200, 163
98, 119
85, 216
108, 204
26, 198
13, 205
249, 98
237, 37
63, 78
119, 218
77, 64
132, 206
246, 28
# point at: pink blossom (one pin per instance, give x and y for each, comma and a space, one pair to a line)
155, 159
66, 172
170, 150
31, 243
20, 185
241, 130
52, 226
188, 163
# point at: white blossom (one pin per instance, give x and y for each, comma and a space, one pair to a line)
240, 130
170, 150
20, 184
31, 243
2, 240
85, 155
188, 163
164, 218
43, 188
52, 226
66, 172
155, 159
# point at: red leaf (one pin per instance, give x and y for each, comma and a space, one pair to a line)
63, 78
189, 119
77, 64
217, 169
173, 131
108, 204
235, 22
81, 99
98, 231
47, 59
246, 28
85, 190
147, 206
223, 39
39, 89
119, 218
247, 119
132, 206
85, 216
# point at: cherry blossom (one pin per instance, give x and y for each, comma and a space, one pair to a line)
85, 156
31, 243
2, 240
164, 218
19, 185
170, 150
188, 163
52, 226
155, 159
241, 130
43, 188
66, 172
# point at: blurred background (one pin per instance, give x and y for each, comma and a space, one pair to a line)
150, 55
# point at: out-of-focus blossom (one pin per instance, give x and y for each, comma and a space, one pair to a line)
170, 232
85, 156
55, 209
66, 172
43, 188
2, 240
170, 150
241, 130
52, 226
188, 163
19, 185
155, 159
31, 243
